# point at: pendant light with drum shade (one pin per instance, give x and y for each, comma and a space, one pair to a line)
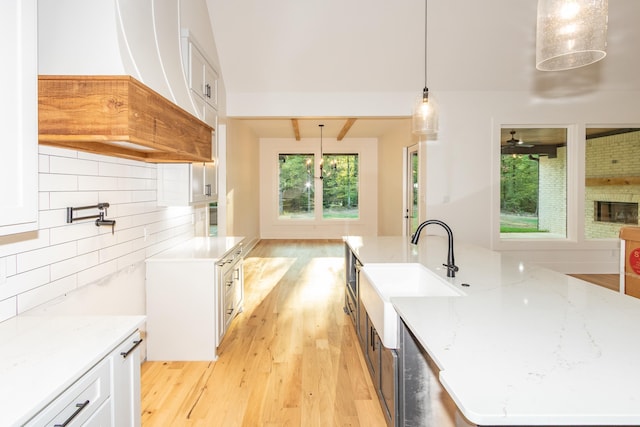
570, 33
425, 114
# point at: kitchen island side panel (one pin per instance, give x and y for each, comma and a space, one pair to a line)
181, 310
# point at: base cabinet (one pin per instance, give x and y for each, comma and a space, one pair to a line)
192, 297
383, 367
125, 363
106, 395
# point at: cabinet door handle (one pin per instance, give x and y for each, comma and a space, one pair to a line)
125, 354
80, 407
207, 191
371, 338
229, 283
207, 90
230, 311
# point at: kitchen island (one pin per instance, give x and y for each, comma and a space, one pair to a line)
200, 284
524, 345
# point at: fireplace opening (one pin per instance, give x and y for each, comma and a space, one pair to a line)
619, 212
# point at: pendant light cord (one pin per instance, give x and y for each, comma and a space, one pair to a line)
425, 42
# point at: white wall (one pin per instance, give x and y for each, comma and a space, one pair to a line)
390, 180
242, 190
462, 182
271, 227
63, 261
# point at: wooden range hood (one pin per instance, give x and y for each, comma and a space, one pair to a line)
118, 116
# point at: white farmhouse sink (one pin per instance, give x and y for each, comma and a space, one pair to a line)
381, 282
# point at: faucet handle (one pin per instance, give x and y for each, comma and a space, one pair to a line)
451, 269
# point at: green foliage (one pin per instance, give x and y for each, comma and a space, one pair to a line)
518, 185
296, 183
339, 185
340, 181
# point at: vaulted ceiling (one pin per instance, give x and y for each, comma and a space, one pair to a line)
362, 47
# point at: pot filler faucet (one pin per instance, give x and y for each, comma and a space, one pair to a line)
451, 266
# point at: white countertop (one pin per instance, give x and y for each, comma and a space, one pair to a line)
41, 356
199, 249
526, 345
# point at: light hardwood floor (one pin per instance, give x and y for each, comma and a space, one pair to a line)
290, 359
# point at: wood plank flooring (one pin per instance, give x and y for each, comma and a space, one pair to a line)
290, 359
609, 281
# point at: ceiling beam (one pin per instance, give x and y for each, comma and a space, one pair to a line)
296, 129
345, 128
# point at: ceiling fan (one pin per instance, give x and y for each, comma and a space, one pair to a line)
513, 142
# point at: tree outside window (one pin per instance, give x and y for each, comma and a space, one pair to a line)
339, 186
297, 189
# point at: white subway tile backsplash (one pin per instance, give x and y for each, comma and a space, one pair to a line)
89, 245
23, 282
64, 199
82, 229
11, 266
43, 200
52, 218
11, 245
96, 273
97, 183
44, 293
144, 196
8, 308
68, 165
40, 257
116, 197
115, 251
43, 163
74, 265
131, 259
136, 184
55, 151
59, 258
57, 182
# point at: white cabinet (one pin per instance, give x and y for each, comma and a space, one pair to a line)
79, 402
95, 382
182, 184
230, 289
106, 395
186, 296
125, 384
202, 78
19, 112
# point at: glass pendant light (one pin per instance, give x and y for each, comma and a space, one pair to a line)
425, 114
570, 33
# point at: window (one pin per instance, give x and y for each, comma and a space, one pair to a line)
299, 180
297, 190
533, 183
340, 186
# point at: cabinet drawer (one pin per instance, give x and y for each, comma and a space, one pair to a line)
79, 402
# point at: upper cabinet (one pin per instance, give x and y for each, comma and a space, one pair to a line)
202, 78
19, 147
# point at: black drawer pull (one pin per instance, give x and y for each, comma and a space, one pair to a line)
136, 343
80, 407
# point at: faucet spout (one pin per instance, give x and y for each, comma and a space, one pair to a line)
451, 266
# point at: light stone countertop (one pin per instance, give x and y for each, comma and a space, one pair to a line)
41, 356
198, 249
526, 345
